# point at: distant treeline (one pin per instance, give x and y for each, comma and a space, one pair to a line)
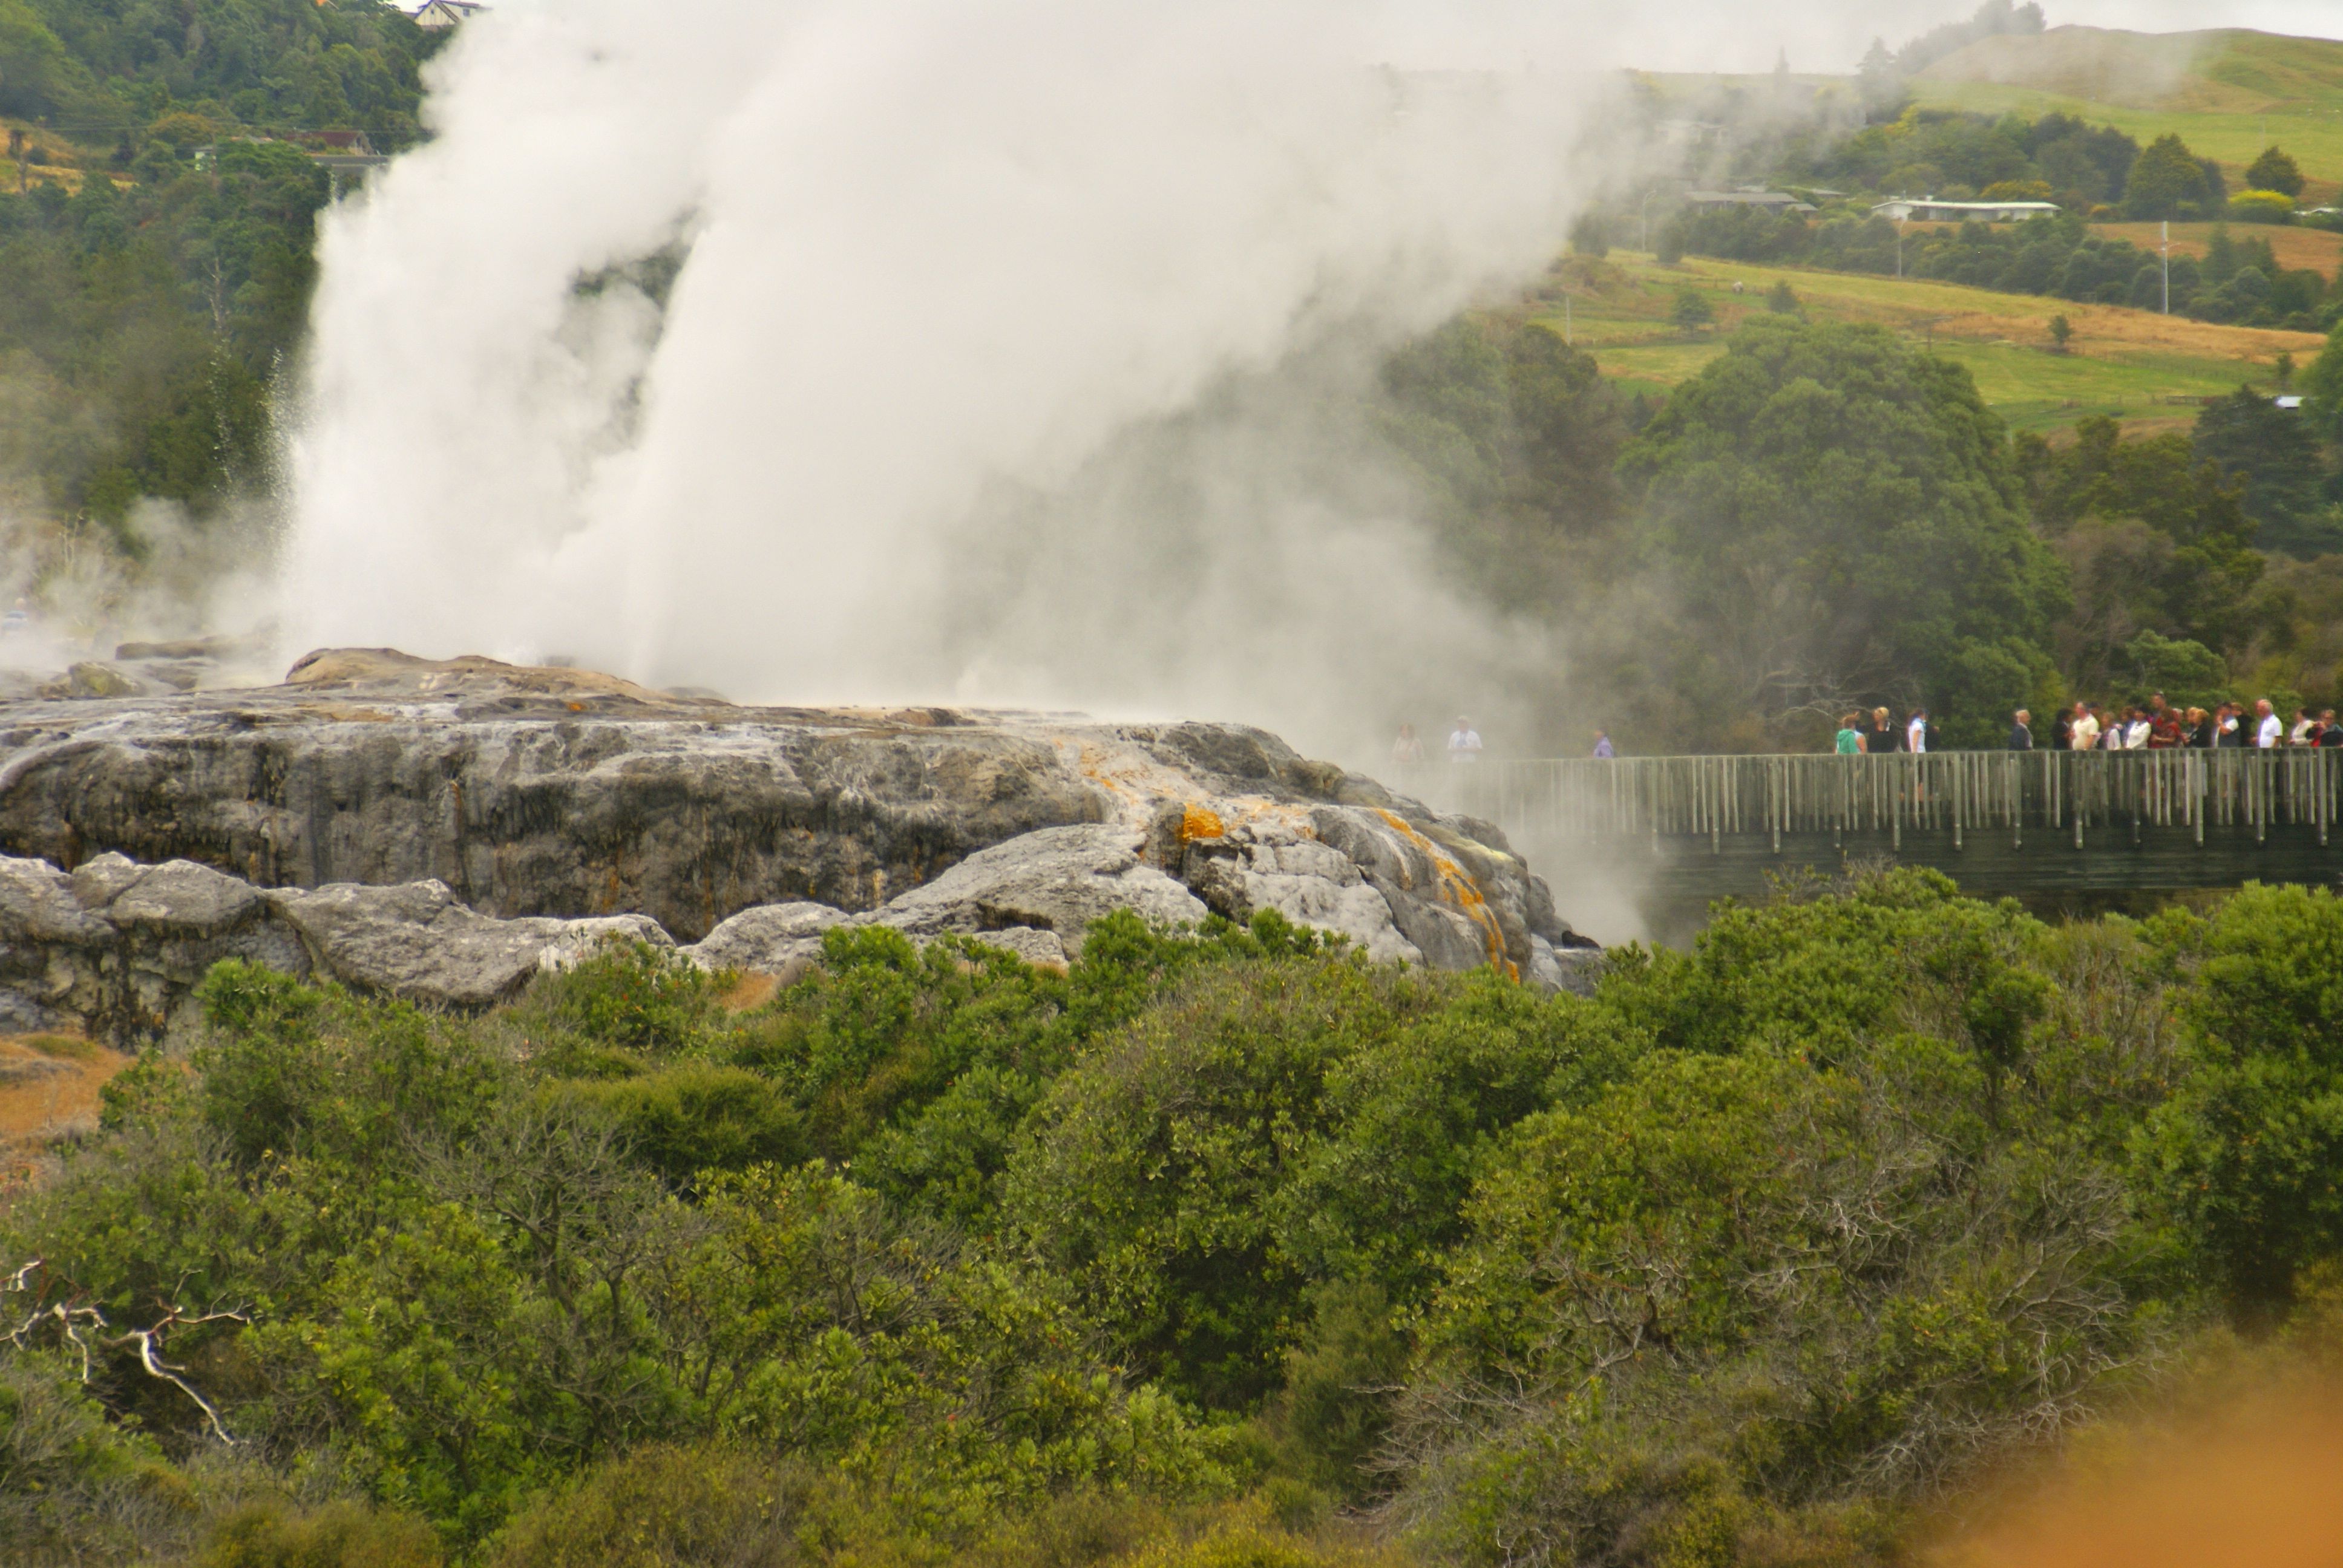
2238, 280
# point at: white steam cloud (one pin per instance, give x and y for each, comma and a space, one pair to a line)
966, 291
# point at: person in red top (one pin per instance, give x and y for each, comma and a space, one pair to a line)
2163, 728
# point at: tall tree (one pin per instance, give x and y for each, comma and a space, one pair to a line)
2275, 171
2275, 450
1840, 515
2164, 177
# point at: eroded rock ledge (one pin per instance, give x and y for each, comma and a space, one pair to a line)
440, 830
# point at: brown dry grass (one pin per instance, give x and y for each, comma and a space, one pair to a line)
2296, 249
49, 1087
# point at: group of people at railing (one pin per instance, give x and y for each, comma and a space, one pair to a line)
2157, 726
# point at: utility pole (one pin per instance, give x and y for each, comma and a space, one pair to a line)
1566, 317
2165, 246
1647, 223
1899, 247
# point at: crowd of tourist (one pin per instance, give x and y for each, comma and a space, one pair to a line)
2155, 726
2159, 725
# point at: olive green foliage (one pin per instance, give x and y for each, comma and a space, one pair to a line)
337, 1535
2157, 545
1864, 1207
1839, 511
2277, 454
936, 1258
2244, 1154
1259, 1134
109, 69
145, 327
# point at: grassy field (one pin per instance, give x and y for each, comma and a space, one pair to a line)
2228, 94
2121, 363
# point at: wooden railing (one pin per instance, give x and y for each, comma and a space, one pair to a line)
1959, 792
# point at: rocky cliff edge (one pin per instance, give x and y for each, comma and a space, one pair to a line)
442, 829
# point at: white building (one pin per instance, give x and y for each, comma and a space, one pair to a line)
435, 15
1929, 209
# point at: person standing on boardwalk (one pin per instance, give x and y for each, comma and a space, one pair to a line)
1463, 741
1848, 742
1916, 732
2083, 734
2021, 730
1603, 747
1883, 736
2269, 728
1407, 751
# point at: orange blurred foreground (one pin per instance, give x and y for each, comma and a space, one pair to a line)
2259, 1485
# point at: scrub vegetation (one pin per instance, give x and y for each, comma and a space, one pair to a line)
1218, 1247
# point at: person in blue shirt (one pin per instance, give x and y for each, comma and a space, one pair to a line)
2021, 731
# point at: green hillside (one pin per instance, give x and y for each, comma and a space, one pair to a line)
2228, 94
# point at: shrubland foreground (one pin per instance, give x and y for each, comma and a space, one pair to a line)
1224, 1248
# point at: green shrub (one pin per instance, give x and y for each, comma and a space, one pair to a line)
680, 1121
665, 1507
635, 997
338, 1535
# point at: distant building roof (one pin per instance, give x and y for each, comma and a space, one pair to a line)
1929, 209
436, 14
1772, 201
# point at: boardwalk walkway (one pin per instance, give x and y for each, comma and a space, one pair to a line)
1688, 829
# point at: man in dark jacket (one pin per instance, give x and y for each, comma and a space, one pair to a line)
2021, 731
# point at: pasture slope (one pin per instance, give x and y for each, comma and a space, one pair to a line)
2127, 364
2228, 92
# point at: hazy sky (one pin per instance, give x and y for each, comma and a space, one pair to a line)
1820, 35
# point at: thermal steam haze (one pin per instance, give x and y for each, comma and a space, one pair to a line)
1006, 360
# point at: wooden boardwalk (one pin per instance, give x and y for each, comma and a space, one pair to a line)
1688, 829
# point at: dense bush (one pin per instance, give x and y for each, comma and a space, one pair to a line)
933, 1257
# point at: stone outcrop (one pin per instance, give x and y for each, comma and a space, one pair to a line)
436, 829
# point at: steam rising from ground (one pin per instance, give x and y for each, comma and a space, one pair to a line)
998, 369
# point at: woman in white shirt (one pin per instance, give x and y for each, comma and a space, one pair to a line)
2137, 732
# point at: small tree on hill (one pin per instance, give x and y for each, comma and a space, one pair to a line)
1693, 310
2275, 171
2061, 329
1781, 301
2282, 367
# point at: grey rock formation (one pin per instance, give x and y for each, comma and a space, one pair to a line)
436, 829
772, 938
1056, 881
417, 942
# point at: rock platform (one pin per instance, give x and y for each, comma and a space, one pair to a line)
440, 830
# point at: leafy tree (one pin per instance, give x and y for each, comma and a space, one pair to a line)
1839, 512
2275, 171
2243, 1156
1781, 300
2276, 452
2061, 329
2185, 568
2166, 178
1692, 311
